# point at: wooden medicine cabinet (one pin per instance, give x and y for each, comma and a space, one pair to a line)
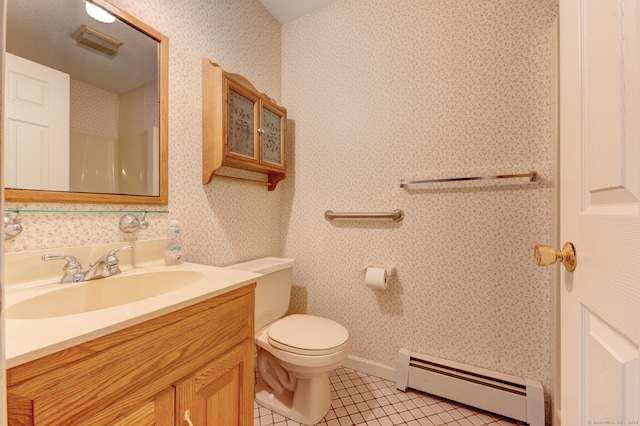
241, 127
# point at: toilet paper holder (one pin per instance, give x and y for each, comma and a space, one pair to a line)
392, 271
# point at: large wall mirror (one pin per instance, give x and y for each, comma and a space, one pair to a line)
85, 105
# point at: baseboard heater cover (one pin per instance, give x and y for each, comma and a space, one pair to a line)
514, 397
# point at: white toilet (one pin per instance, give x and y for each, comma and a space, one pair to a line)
295, 353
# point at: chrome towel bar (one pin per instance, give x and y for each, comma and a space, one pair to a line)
396, 215
533, 177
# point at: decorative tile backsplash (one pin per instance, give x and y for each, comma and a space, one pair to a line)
376, 91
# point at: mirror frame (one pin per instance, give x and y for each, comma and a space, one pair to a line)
26, 195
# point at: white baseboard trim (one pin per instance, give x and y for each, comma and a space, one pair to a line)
370, 367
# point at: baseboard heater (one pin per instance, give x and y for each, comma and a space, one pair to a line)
514, 397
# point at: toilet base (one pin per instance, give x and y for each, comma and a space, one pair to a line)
307, 405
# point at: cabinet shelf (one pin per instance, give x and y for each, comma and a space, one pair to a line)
241, 127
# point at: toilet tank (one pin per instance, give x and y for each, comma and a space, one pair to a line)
273, 289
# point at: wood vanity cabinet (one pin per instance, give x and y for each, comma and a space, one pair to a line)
241, 127
198, 360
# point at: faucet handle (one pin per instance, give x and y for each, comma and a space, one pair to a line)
72, 269
130, 223
112, 260
117, 250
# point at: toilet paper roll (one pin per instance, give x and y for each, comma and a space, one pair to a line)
376, 278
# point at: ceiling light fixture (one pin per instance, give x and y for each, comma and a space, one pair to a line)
99, 14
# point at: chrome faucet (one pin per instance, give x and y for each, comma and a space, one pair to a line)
105, 266
72, 269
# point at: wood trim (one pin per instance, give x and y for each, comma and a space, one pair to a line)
252, 96
556, 317
27, 195
282, 113
260, 182
274, 178
23, 195
213, 109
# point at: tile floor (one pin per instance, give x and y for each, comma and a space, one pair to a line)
360, 399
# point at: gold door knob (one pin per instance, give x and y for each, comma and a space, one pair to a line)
546, 255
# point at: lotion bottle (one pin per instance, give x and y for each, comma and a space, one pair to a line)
174, 252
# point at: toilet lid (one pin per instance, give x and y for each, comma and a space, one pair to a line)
308, 335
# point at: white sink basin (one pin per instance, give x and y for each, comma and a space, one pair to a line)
101, 294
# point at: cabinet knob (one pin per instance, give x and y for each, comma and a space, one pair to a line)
261, 131
187, 417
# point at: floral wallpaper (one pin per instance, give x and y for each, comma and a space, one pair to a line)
376, 91
93, 111
223, 222
380, 92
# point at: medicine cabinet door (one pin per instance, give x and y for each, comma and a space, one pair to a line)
243, 118
272, 134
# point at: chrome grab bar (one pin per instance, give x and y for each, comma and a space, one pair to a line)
396, 215
533, 177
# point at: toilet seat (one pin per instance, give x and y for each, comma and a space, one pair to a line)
308, 335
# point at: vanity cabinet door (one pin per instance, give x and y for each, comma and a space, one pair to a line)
219, 394
156, 411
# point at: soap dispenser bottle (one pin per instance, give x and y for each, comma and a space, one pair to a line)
174, 252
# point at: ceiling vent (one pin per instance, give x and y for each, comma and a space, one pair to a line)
97, 41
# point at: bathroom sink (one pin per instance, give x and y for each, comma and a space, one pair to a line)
101, 294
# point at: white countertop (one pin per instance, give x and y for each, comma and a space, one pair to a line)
29, 339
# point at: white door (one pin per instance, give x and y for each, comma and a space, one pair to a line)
600, 210
36, 128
